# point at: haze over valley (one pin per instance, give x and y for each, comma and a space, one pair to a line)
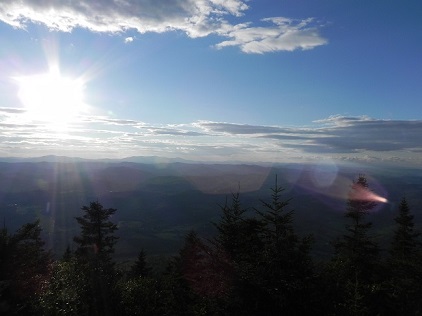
159, 203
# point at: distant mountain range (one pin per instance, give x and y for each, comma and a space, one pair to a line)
134, 159
160, 200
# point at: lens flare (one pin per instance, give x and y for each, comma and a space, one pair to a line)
332, 186
363, 194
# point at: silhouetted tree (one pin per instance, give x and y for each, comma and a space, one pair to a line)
182, 279
230, 236
286, 267
238, 245
24, 267
204, 268
95, 247
67, 255
406, 242
67, 292
140, 268
142, 296
97, 239
178, 297
356, 263
405, 284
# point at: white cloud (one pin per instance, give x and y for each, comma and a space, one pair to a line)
191, 16
129, 39
196, 18
284, 35
337, 137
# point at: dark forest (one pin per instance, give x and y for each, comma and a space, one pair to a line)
256, 263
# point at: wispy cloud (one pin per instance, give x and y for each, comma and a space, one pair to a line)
7, 111
232, 128
129, 39
353, 134
194, 18
284, 35
336, 137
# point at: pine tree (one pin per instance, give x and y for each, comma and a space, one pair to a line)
237, 235
405, 284
229, 232
406, 241
238, 246
24, 267
357, 246
94, 252
67, 255
97, 238
192, 280
67, 292
286, 266
140, 268
356, 263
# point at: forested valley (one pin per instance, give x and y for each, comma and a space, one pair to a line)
255, 264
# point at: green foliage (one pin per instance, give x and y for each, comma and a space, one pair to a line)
140, 268
95, 246
271, 264
255, 265
67, 291
286, 268
406, 241
356, 265
96, 241
230, 233
141, 296
24, 266
356, 249
178, 297
205, 269
404, 265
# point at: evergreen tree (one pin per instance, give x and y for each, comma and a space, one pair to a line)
238, 245
286, 267
184, 283
405, 284
67, 254
357, 246
205, 269
95, 247
97, 239
406, 242
140, 268
67, 292
230, 235
142, 296
24, 267
239, 237
356, 263
177, 295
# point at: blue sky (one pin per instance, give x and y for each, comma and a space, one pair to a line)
212, 80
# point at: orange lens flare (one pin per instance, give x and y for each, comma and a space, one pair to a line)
365, 195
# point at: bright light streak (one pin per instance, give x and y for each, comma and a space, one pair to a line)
51, 98
363, 194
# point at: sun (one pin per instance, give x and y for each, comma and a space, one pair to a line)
52, 98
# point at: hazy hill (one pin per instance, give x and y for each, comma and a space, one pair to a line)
159, 203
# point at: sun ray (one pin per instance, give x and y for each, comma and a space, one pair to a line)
51, 98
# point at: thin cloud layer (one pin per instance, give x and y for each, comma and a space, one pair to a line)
194, 18
284, 35
338, 134
337, 137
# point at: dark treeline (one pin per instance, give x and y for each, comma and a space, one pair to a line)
256, 264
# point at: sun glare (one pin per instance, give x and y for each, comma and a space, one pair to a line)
51, 98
